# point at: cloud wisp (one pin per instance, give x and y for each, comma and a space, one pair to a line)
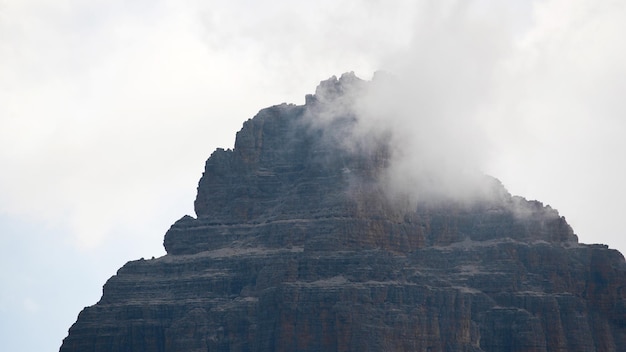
431, 103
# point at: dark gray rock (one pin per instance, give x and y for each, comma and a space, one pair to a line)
296, 247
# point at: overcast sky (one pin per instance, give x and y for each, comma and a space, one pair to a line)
108, 110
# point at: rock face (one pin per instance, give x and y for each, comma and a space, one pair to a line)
297, 247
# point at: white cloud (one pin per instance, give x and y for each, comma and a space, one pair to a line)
560, 115
107, 107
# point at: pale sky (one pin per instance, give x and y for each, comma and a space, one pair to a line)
109, 109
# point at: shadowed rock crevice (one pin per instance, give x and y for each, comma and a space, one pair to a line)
298, 245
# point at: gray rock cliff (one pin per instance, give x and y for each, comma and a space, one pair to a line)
296, 246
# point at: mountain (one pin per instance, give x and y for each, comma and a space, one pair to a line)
298, 244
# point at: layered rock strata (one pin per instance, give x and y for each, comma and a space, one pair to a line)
297, 247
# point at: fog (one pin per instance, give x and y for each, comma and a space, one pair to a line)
437, 98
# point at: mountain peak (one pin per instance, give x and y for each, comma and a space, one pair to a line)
300, 243
291, 163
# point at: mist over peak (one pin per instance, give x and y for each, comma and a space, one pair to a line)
431, 156
334, 159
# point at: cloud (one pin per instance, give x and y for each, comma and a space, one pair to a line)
89, 118
558, 117
432, 103
529, 101
109, 108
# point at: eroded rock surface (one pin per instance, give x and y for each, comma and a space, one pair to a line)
297, 247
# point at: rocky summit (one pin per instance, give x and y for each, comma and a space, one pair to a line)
297, 245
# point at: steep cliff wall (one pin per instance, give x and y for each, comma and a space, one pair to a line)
297, 246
